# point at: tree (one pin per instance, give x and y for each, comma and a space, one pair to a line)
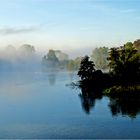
27, 49
51, 56
61, 55
50, 60
124, 62
136, 45
113, 60
71, 65
86, 68
63, 59
77, 62
99, 56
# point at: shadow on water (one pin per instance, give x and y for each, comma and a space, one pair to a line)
124, 107
88, 96
122, 102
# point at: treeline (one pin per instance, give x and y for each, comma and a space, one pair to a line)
56, 59
100, 56
59, 60
123, 63
12, 59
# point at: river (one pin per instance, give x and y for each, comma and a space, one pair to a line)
39, 105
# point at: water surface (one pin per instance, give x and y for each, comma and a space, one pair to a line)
41, 105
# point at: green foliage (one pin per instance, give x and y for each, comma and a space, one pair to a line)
113, 59
124, 61
59, 60
99, 56
71, 65
136, 45
74, 64
86, 68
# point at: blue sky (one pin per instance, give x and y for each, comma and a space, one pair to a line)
69, 24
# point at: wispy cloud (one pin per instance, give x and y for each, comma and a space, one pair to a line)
128, 11
18, 30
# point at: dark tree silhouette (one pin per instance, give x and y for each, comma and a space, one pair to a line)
124, 62
86, 68
125, 106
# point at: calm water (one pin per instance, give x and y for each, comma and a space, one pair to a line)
40, 105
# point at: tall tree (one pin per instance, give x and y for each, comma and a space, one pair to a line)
86, 68
124, 61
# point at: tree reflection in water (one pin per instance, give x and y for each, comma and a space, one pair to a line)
125, 104
125, 107
52, 78
88, 96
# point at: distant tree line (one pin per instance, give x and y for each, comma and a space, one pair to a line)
59, 60
12, 58
56, 59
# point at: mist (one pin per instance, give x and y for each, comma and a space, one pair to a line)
24, 58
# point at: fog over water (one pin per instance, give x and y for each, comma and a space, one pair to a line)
38, 98
21, 59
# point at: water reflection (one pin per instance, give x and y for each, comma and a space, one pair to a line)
51, 74
52, 78
88, 97
125, 107
87, 103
